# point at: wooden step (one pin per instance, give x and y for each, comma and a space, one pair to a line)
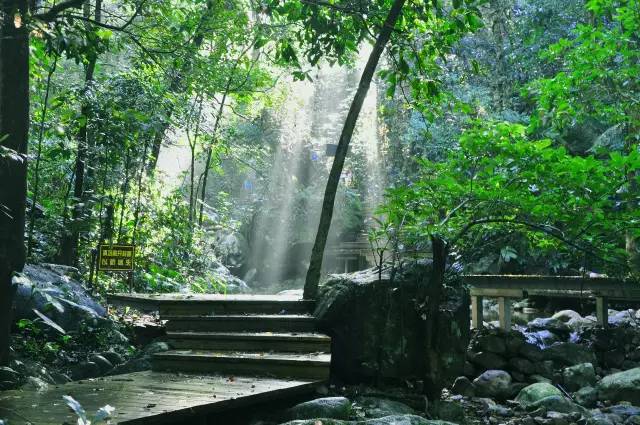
235, 306
251, 341
283, 365
242, 323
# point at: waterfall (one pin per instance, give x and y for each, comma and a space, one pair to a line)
311, 120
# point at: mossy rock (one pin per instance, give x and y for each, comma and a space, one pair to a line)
327, 407
375, 407
621, 386
535, 392
387, 420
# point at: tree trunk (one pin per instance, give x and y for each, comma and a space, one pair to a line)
193, 144
136, 214
125, 192
14, 133
71, 239
36, 171
207, 164
315, 266
432, 302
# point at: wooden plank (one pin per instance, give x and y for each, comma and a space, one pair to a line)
238, 323
173, 297
497, 292
251, 341
288, 370
602, 311
304, 365
248, 357
477, 316
575, 283
148, 397
504, 313
173, 304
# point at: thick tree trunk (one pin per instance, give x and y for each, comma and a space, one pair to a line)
315, 266
432, 302
71, 238
14, 133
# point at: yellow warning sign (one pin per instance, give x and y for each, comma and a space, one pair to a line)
116, 257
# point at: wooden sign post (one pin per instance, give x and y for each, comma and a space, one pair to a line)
117, 258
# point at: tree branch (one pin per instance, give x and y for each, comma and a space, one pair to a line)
53, 12
551, 231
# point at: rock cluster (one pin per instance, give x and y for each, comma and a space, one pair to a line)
32, 374
554, 371
363, 410
565, 349
380, 333
54, 289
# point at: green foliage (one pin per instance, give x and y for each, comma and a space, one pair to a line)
152, 60
601, 72
36, 340
500, 181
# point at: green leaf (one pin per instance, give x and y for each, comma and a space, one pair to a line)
49, 322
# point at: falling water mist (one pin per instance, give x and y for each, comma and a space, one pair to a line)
311, 120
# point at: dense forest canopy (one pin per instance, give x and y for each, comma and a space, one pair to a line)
507, 130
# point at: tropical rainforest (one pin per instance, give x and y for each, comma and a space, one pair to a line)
366, 155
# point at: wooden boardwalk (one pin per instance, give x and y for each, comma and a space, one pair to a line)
508, 287
260, 335
228, 352
149, 397
148, 302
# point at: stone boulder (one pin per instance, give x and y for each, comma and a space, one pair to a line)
387, 420
565, 316
570, 354
535, 392
379, 331
376, 407
493, 384
586, 396
557, 403
53, 290
327, 407
232, 284
9, 378
522, 365
486, 360
621, 386
463, 386
624, 317
531, 352
578, 376
555, 326
623, 410
489, 340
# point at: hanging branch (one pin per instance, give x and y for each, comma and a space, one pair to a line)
192, 146
36, 183
227, 90
125, 191
136, 214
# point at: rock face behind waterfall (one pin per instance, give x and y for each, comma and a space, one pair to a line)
379, 332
